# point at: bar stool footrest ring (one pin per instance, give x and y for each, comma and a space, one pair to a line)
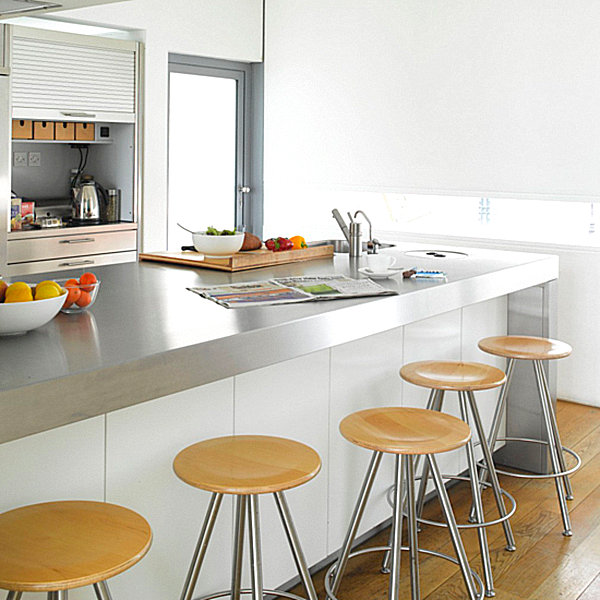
227, 593
331, 571
535, 475
486, 484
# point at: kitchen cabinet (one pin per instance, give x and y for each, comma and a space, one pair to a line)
85, 91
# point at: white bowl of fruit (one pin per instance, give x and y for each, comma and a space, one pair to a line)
25, 306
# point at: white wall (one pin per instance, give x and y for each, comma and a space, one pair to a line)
464, 96
228, 29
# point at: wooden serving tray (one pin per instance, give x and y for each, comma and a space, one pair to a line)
241, 261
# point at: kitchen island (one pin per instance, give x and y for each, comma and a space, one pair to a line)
97, 405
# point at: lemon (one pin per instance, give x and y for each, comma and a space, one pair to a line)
48, 282
43, 292
18, 292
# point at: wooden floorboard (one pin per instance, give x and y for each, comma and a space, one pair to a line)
545, 566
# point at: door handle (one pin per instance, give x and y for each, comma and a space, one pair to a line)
82, 115
76, 263
78, 241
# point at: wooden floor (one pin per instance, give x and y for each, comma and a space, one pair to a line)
546, 565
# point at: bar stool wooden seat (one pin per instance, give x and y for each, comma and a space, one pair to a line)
406, 433
466, 378
536, 350
57, 546
247, 466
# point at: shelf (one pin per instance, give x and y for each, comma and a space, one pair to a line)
63, 231
72, 142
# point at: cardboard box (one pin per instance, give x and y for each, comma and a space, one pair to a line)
64, 130
43, 130
84, 132
22, 129
15, 214
27, 213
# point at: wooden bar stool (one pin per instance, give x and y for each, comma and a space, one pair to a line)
536, 350
405, 432
57, 546
466, 378
247, 466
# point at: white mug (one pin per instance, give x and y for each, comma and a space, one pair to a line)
379, 263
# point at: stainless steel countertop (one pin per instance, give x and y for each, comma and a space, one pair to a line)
147, 336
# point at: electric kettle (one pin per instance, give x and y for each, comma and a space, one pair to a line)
86, 200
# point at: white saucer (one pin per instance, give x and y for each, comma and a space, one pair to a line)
381, 275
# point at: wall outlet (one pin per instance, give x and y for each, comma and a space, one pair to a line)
34, 159
19, 159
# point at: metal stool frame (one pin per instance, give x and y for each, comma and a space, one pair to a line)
560, 473
101, 590
466, 402
247, 506
404, 477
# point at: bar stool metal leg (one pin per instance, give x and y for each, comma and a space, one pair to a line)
476, 499
434, 400
200, 551
255, 549
356, 518
557, 442
553, 453
238, 547
102, 591
436, 404
491, 470
495, 428
14, 595
395, 552
461, 555
413, 541
58, 595
292, 536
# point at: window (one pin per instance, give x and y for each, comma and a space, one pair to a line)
211, 170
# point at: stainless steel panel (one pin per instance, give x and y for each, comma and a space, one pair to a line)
530, 312
22, 251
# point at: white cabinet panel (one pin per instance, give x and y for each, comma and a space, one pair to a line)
72, 74
142, 442
364, 374
291, 400
66, 463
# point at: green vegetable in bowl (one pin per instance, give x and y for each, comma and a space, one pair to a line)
212, 231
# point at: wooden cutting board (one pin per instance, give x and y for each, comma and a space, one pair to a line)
241, 261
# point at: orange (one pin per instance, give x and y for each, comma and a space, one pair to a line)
84, 299
86, 281
299, 242
73, 292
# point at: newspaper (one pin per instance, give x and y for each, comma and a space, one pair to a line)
287, 290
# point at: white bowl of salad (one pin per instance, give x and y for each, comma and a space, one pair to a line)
214, 243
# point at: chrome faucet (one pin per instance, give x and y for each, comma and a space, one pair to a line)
372, 244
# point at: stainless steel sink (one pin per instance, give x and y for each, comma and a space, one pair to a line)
343, 247
436, 253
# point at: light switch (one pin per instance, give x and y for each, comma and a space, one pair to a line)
35, 159
19, 159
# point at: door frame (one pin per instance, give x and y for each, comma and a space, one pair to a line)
249, 130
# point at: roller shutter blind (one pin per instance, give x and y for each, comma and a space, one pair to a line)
54, 75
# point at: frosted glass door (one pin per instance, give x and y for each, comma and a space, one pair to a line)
203, 154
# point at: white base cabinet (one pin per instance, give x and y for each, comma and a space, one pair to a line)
126, 456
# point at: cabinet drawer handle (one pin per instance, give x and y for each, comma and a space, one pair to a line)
76, 263
78, 241
81, 115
